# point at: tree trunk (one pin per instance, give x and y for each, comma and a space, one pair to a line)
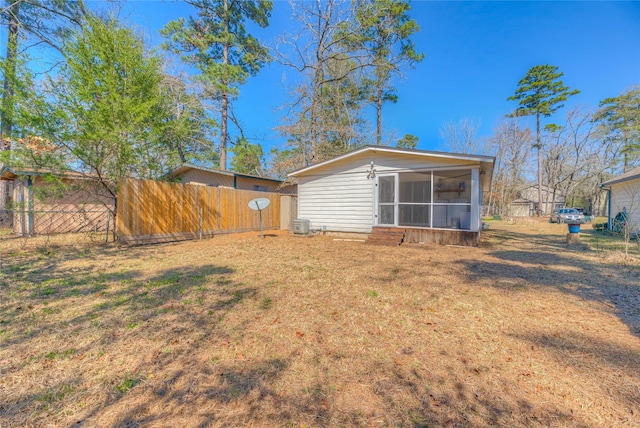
539, 146
223, 132
379, 114
315, 100
225, 96
6, 113
6, 116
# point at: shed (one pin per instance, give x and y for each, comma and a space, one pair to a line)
192, 174
624, 196
431, 197
526, 202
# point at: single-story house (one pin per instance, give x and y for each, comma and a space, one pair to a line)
191, 174
624, 196
433, 197
45, 202
526, 202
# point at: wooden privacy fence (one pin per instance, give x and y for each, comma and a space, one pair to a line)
152, 211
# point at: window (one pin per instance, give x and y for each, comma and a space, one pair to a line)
260, 188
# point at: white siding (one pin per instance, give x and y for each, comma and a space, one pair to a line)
627, 195
340, 199
340, 196
399, 163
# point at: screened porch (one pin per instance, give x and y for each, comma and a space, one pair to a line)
436, 199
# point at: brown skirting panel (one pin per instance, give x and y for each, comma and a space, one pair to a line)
442, 237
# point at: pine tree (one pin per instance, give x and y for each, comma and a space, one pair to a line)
216, 42
541, 93
384, 33
619, 119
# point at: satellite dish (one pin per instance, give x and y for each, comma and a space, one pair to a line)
259, 204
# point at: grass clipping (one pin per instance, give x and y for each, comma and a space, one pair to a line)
239, 330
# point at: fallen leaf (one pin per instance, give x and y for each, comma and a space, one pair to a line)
324, 404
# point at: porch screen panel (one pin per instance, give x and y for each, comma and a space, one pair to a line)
414, 200
452, 199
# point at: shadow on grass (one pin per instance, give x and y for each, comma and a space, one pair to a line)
460, 408
581, 353
557, 267
226, 385
115, 307
492, 238
214, 389
134, 290
591, 241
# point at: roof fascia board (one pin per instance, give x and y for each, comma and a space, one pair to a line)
186, 166
473, 158
632, 174
619, 180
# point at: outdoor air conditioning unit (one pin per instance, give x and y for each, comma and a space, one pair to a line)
301, 226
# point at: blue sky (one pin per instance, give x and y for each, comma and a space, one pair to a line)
475, 53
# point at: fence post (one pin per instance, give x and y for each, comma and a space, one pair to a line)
30, 207
200, 222
106, 238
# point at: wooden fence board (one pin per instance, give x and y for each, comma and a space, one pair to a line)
151, 211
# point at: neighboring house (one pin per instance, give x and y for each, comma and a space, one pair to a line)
191, 174
40, 206
526, 202
433, 197
624, 196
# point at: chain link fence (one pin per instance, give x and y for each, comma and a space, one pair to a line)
32, 206
55, 220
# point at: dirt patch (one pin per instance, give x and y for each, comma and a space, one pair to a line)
281, 331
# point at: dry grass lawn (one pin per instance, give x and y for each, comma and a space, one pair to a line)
291, 331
